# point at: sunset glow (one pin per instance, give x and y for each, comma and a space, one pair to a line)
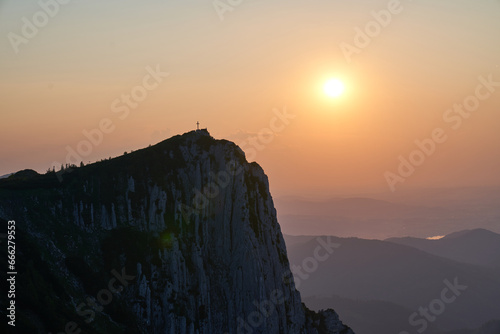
226, 165
358, 89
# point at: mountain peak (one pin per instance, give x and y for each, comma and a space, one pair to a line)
477, 232
188, 219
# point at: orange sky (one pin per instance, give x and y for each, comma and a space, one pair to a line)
233, 75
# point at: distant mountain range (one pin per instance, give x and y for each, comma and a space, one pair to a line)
420, 214
377, 285
479, 246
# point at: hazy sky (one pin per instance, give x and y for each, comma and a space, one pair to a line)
233, 65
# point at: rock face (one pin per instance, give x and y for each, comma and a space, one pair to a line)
180, 237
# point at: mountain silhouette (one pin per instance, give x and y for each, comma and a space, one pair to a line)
179, 237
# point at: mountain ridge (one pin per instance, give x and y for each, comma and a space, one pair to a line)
363, 272
188, 218
474, 246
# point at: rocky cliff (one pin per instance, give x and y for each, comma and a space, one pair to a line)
180, 237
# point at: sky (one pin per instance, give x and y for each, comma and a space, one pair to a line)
127, 74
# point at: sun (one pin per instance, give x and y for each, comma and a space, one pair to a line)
334, 87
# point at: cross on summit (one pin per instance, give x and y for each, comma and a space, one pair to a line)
198, 129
